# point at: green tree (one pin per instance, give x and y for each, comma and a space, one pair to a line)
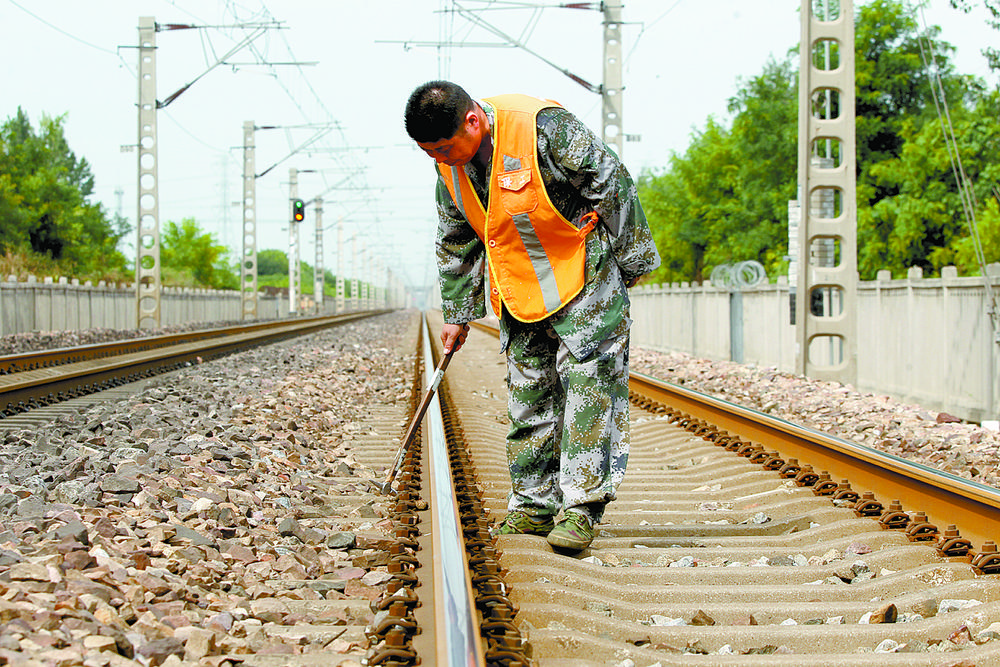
686, 203
726, 198
909, 211
923, 223
307, 277
682, 253
192, 258
765, 139
893, 85
272, 263
44, 207
272, 270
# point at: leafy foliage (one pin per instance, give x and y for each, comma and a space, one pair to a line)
272, 271
44, 207
191, 258
924, 224
909, 209
272, 263
725, 199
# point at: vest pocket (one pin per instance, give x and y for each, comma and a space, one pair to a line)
516, 194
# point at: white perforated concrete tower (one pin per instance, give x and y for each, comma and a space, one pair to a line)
611, 90
248, 262
340, 265
318, 270
147, 264
826, 289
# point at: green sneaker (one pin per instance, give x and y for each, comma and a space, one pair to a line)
521, 523
574, 532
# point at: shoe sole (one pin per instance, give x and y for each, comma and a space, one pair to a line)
568, 543
541, 532
528, 532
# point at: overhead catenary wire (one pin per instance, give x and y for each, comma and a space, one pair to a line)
322, 106
60, 30
509, 41
966, 193
347, 154
210, 25
478, 21
647, 26
246, 42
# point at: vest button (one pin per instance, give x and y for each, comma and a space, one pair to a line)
493, 243
496, 291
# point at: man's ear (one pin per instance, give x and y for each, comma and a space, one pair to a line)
472, 119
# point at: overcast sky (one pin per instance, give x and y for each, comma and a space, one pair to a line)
683, 61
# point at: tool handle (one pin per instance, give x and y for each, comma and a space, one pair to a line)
418, 416
435, 381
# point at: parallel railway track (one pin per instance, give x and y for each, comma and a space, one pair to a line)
36, 379
736, 539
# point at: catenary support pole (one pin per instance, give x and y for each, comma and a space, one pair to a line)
318, 271
611, 90
293, 243
147, 264
826, 284
248, 262
340, 265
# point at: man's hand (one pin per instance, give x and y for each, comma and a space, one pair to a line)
453, 336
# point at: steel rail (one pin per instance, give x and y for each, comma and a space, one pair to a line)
947, 500
455, 612
29, 389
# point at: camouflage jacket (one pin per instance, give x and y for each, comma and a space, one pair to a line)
581, 174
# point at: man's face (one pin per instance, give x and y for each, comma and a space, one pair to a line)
459, 149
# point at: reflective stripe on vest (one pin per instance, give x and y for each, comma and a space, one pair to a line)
544, 273
536, 257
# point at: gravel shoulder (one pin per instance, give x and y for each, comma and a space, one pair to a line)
223, 511
909, 431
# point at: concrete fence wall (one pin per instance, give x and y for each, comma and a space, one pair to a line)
65, 305
62, 305
921, 340
927, 341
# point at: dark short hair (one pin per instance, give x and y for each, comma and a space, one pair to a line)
436, 110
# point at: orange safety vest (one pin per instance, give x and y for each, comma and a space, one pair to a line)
536, 256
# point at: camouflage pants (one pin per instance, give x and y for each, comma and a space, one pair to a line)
569, 436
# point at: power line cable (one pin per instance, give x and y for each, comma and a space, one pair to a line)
347, 159
60, 30
342, 154
647, 26
966, 193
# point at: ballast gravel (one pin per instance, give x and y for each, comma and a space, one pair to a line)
181, 526
910, 431
199, 518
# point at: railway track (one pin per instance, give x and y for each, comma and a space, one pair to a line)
736, 539
33, 380
727, 545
